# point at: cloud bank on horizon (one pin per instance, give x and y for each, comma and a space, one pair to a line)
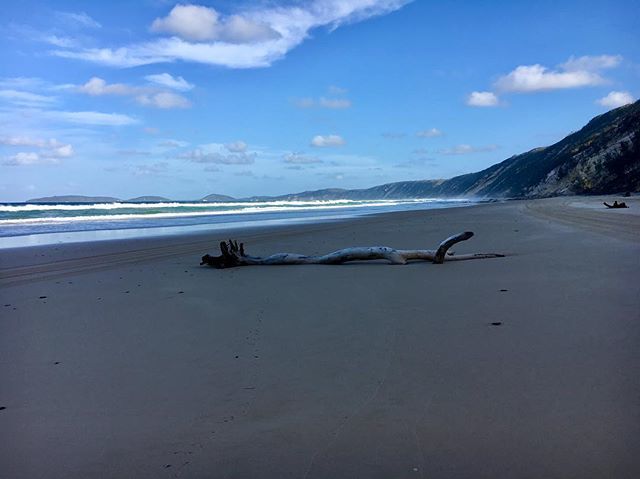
256, 97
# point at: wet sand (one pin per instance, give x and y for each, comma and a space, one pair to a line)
128, 359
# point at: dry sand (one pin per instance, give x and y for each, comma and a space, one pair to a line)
126, 359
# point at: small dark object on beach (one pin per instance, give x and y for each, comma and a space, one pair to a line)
497, 323
504, 290
7, 305
615, 205
56, 362
2, 408
180, 292
127, 292
167, 466
43, 297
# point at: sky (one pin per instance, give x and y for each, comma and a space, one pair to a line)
244, 98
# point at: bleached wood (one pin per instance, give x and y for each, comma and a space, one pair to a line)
234, 255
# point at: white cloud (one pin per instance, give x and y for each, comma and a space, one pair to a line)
238, 29
251, 39
145, 96
192, 22
574, 73
204, 155
98, 87
334, 103
164, 100
533, 78
26, 158
79, 19
62, 151
467, 149
50, 151
616, 98
166, 80
482, 99
236, 147
300, 159
91, 118
198, 23
24, 98
591, 63
326, 141
430, 133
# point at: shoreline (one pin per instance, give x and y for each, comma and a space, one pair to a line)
128, 359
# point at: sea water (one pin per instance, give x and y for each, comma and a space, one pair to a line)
26, 224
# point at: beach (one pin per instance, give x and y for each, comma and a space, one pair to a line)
128, 359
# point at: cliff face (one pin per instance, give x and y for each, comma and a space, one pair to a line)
603, 157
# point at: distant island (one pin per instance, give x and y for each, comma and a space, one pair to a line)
601, 158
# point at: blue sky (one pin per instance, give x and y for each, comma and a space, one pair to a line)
263, 97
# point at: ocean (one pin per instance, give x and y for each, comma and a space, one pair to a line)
27, 224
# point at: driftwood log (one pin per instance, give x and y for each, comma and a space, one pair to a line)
234, 255
615, 205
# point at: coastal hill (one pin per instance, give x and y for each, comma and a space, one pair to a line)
96, 199
601, 158
148, 199
74, 199
213, 198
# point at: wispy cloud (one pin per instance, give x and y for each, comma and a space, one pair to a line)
91, 118
337, 102
615, 99
334, 103
321, 141
230, 154
300, 159
201, 156
429, 133
133, 152
173, 144
390, 135
98, 87
467, 149
415, 163
80, 19
168, 81
24, 98
253, 38
164, 100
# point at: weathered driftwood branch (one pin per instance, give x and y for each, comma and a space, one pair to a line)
234, 255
